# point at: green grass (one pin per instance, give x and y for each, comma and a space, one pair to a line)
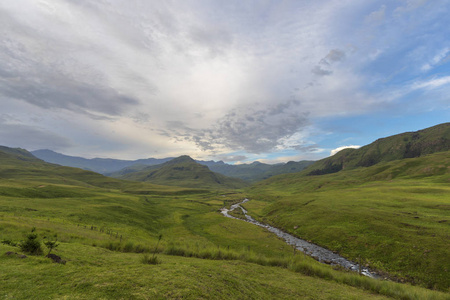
96, 273
234, 252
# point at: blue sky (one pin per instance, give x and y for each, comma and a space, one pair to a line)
225, 80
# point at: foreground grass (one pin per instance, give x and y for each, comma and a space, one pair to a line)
96, 273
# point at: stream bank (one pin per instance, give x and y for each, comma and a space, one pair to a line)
319, 253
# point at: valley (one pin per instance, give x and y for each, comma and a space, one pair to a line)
392, 217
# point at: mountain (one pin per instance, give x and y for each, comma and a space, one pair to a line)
404, 145
99, 165
183, 171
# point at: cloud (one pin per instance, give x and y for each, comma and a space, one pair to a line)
335, 55
376, 17
442, 57
232, 158
49, 73
250, 129
211, 77
317, 70
432, 83
29, 137
334, 151
54, 93
410, 5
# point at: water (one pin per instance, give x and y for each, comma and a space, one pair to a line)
319, 253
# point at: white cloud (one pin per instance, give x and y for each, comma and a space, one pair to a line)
334, 151
442, 56
432, 83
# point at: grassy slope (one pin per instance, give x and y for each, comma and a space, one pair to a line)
394, 215
258, 171
100, 230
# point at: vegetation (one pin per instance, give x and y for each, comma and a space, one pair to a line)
31, 244
257, 171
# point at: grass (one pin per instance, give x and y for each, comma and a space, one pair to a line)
89, 275
192, 229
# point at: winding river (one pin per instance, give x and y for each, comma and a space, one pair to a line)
321, 254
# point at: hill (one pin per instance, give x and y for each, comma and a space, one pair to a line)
257, 171
183, 171
404, 145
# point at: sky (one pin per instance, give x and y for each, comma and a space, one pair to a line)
234, 80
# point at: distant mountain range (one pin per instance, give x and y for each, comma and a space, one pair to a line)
117, 168
98, 165
400, 146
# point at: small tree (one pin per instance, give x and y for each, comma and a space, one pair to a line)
154, 259
156, 248
51, 244
31, 245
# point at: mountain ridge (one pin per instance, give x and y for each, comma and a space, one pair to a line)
399, 146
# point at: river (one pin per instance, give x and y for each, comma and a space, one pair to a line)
319, 253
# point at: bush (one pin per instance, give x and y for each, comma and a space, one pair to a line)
31, 245
9, 242
51, 245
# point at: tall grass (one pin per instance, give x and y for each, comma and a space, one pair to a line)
299, 264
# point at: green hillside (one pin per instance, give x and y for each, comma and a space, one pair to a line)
393, 215
184, 171
257, 171
108, 235
405, 145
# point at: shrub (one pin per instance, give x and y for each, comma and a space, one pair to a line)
9, 242
51, 245
31, 245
